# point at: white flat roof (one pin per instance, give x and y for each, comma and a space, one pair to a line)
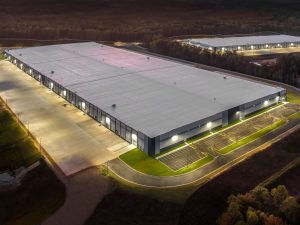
152, 95
246, 40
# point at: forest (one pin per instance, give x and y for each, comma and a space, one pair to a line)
262, 206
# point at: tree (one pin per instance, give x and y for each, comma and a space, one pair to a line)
262, 207
273, 220
233, 214
290, 209
252, 218
262, 197
240, 222
279, 194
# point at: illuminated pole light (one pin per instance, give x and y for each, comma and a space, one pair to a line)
174, 138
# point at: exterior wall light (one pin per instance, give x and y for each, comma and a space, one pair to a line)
134, 137
83, 105
64, 93
174, 138
208, 125
252, 47
266, 102
107, 120
30, 71
51, 85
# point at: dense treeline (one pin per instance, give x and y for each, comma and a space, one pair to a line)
286, 70
112, 21
261, 206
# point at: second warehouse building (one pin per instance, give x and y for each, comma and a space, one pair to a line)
150, 102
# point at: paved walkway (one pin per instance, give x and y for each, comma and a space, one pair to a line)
74, 141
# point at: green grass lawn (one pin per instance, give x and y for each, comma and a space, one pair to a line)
16, 147
139, 161
1, 56
252, 137
40, 193
294, 116
293, 97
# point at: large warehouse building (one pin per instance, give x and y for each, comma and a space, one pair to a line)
245, 42
150, 102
